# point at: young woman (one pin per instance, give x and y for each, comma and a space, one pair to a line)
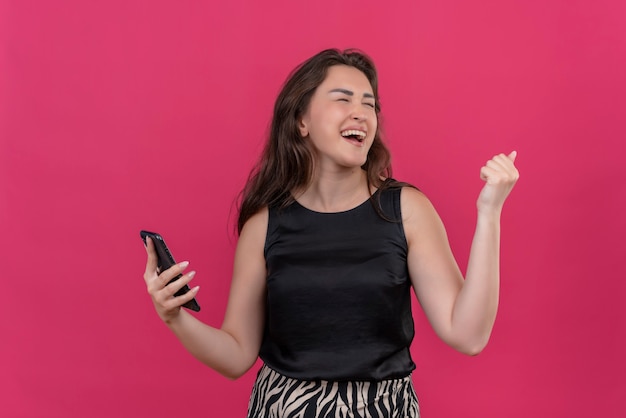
329, 248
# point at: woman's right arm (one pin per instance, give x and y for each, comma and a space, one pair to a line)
234, 348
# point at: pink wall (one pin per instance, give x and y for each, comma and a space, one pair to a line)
122, 115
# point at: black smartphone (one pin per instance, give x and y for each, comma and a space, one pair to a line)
165, 261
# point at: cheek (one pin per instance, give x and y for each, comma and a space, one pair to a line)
374, 125
325, 121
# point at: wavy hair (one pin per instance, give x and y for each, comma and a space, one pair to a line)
287, 161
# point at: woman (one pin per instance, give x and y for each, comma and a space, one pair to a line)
329, 248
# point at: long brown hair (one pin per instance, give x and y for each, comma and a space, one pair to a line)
287, 161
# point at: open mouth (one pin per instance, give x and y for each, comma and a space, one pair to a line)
354, 135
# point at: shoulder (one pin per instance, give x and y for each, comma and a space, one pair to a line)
413, 201
418, 213
255, 227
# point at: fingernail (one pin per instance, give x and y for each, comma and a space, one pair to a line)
191, 274
184, 264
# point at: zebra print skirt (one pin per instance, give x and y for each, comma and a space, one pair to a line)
278, 396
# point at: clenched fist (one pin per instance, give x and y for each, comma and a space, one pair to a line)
500, 176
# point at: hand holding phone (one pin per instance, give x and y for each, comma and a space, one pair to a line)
165, 261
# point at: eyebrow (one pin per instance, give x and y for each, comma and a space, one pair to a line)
350, 93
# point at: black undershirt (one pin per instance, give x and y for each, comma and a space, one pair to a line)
338, 293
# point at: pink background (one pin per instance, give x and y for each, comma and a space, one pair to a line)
122, 115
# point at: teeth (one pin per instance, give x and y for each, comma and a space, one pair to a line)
354, 132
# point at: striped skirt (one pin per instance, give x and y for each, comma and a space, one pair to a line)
278, 396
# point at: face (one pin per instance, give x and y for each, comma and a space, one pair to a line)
341, 120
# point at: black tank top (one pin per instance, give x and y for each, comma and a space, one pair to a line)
338, 293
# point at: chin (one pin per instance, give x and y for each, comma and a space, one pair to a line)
355, 164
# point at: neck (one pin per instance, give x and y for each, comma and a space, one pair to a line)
335, 192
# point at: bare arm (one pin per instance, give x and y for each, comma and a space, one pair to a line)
461, 311
234, 348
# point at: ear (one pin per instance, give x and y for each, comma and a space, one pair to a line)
304, 131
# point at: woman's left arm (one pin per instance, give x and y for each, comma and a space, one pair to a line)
462, 312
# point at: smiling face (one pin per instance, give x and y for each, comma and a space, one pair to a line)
341, 120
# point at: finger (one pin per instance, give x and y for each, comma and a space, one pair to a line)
152, 262
495, 173
182, 299
496, 163
162, 293
502, 162
189, 295
487, 172
496, 168
178, 301
176, 285
508, 165
170, 273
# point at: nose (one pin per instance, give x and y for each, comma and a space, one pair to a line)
358, 113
